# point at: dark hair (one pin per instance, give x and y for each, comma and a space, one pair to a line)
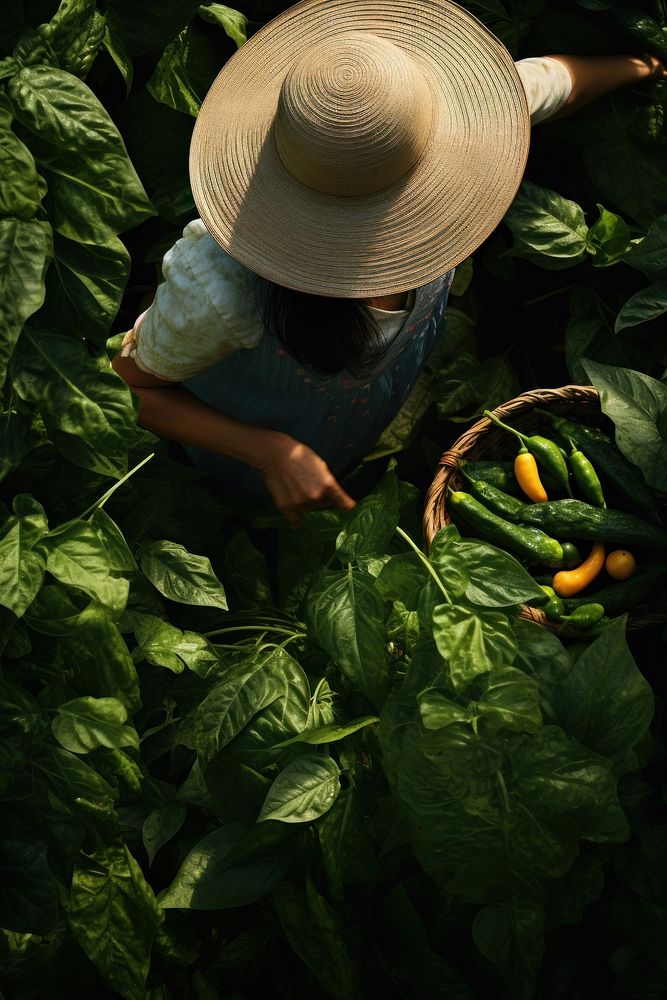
326, 334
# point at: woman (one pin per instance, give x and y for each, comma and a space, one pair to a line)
344, 161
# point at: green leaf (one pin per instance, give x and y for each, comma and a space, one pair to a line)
497, 579
56, 611
20, 193
371, 525
99, 660
85, 286
401, 579
642, 307
472, 641
160, 826
118, 552
589, 334
304, 790
258, 701
608, 238
605, 702
76, 556
232, 866
28, 889
87, 409
94, 191
345, 616
181, 575
634, 402
71, 777
185, 72
21, 567
151, 25
547, 223
438, 711
166, 646
114, 917
115, 43
511, 935
86, 723
232, 22
75, 35
25, 249
347, 851
13, 429
331, 732
650, 254
511, 701
444, 555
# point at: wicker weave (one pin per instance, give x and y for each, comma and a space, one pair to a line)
486, 441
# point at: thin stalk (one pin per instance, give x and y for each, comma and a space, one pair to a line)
506, 427
116, 486
254, 628
548, 295
406, 538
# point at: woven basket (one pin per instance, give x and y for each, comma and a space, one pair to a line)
486, 441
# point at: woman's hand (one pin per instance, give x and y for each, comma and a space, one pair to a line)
299, 480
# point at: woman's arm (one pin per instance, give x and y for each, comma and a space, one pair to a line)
297, 479
594, 76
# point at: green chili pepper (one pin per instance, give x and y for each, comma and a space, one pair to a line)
532, 545
554, 608
585, 476
585, 616
571, 554
546, 452
646, 30
493, 498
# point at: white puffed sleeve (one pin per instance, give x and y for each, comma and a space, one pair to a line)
547, 83
204, 310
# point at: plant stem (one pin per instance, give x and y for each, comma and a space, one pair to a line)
109, 493
425, 561
255, 628
506, 427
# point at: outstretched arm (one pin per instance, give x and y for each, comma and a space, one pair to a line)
594, 76
297, 479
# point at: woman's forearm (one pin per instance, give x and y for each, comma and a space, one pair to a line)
594, 76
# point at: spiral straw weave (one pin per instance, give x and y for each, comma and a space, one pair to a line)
486, 441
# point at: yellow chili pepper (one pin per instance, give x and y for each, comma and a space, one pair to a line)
528, 477
569, 582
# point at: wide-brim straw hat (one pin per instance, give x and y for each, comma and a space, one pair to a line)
356, 148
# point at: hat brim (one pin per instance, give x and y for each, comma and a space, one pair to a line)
402, 236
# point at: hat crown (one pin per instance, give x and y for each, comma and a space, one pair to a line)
354, 115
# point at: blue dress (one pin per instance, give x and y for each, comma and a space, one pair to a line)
339, 417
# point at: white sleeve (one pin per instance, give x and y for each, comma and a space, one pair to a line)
204, 310
547, 83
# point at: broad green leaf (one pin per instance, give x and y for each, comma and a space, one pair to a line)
304, 790
511, 701
76, 556
232, 866
114, 917
346, 847
56, 610
634, 402
185, 72
85, 286
75, 34
13, 430
35, 49
345, 616
497, 579
115, 43
332, 732
511, 935
642, 307
28, 889
472, 641
608, 238
167, 646
261, 699
438, 711
86, 723
546, 222
314, 931
232, 22
25, 249
605, 702
371, 525
118, 551
401, 579
160, 826
87, 409
99, 660
21, 566
465, 386
444, 556
181, 575
20, 193
650, 254
94, 191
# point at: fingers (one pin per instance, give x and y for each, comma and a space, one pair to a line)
127, 344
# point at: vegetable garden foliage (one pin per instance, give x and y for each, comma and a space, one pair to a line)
239, 760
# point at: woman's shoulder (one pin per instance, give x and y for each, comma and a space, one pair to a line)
198, 255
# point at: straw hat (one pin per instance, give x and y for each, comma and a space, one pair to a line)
360, 147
